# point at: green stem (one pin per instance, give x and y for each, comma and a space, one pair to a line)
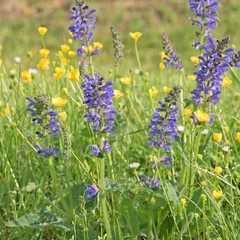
137, 55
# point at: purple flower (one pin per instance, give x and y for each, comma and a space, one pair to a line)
47, 152
150, 182
98, 98
96, 150
92, 190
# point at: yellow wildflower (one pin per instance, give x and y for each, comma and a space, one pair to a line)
90, 48
217, 194
117, 93
27, 77
1, 62
42, 30
1, 47
98, 45
43, 63
63, 115
153, 91
192, 77
196, 215
44, 52
161, 65
126, 80
6, 111
135, 35
217, 137
70, 33
65, 90
72, 54
218, 170
64, 61
201, 116
1, 103
238, 136
183, 201
195, 59
74, 75
187, 112
58, 72
59, 101
70, 41
59, 54
65, 48
226, 82
167, 89
163, 55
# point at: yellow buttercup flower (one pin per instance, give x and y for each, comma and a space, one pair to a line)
6, 111
117, 93
65, 48
70, 41
64, 61
167, 89
70, 33
217, 194
63, 115
42, 30
98, 45
1, 62
58, 72
192, 77
183, 201
218, 170
135, 35
1, 103
195, 59
90, 48
161, 65
44, 52
74, 75
59, 54
187, 112
201, 116
1, 47
59, 101
65, 90
126, 80
163, 55
72, 54
226, 82
238, 136
27, 77
217, 137
153, 91
43, 63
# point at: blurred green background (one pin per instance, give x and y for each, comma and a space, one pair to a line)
19, 21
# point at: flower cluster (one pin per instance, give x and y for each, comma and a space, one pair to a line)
172, 59
45, 117
83, 22
150, 182
164, 123
205, 11
98, 98
97, 152
214, 63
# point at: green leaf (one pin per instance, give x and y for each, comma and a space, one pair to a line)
182, 153
130, 213
171, 192
40, 219
109, 185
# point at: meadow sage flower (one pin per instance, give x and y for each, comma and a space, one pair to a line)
59, 101
135, 36
48, 151
44, 52
97, 152
42, 30
92, 190
126, 80
217, 137
217, 194
150, 182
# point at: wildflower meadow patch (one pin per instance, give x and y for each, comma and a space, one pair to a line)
125, 153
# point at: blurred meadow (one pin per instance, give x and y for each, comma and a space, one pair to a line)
19, 22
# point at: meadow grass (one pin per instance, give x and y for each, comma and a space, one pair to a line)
46, 198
